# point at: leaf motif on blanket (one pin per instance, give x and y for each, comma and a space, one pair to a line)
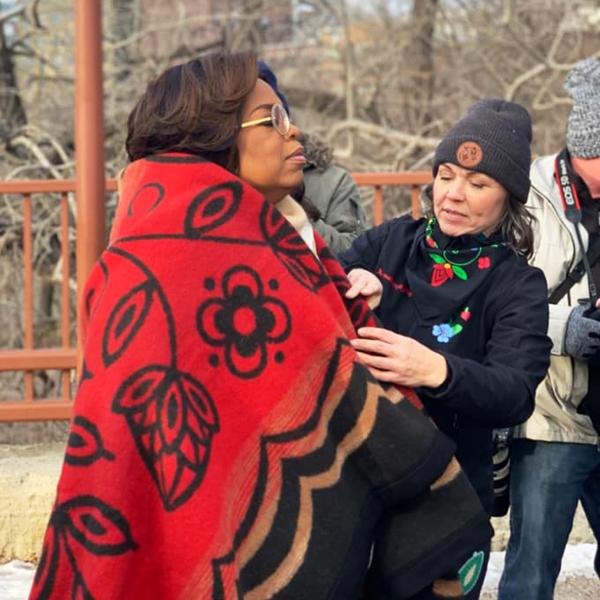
94, 293
172, 419
85, 445
213, 207
86, 521
357, 308
86, 374
291, 250
126, 319
244, 321
147, 198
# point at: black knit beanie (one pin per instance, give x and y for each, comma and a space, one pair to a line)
494, 138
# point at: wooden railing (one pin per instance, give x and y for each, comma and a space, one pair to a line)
63, 358
413, 179
28, 358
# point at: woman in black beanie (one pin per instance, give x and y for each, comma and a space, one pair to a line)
464, 317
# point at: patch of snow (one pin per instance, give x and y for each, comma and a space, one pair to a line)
578, 561
16, 576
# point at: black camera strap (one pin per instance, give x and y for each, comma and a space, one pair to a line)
576, 274
565, 181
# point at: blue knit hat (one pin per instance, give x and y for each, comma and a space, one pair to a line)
494, 138
265, 73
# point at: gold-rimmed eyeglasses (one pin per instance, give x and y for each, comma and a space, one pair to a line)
278, 118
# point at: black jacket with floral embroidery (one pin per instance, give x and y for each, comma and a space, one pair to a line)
479, 304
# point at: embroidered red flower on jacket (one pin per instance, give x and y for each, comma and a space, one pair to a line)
484, 262
443, 269
441, 273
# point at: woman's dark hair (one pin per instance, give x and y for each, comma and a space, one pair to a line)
195, 107
516, 226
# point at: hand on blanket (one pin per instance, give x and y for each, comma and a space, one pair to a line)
395, 358
441, 589
447, 588
365, 283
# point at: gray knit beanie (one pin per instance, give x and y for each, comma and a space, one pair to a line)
494, 138
583, 129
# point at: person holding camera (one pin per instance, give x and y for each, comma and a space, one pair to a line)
555, 455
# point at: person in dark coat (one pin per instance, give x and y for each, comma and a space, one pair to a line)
463, 316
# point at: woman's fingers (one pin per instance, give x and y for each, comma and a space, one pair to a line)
362, 283
356, 287
391, 357
383, 363
385, 376
371, 346
384, 335
373, 300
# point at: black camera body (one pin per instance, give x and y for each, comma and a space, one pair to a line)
501, 470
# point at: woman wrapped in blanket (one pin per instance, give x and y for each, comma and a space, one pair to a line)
226, 442
464, 318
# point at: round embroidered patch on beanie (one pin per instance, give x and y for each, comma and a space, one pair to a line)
583, 128
469, 154
493, 137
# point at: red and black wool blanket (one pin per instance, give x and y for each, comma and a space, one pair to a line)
225, 442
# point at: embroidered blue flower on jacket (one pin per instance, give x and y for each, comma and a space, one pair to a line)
443, 332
